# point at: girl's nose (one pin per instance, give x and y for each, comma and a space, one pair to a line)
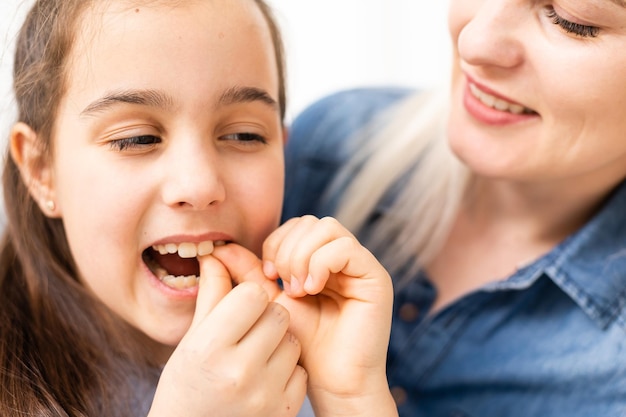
194, 178
491, 34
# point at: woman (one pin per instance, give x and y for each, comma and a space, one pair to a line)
498, 206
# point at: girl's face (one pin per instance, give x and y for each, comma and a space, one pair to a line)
539, 90
169, 138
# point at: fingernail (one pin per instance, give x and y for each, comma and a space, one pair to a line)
269, 269
308, 284
295, 285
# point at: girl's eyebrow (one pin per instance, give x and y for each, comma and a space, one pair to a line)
239, 94
155, 98
152, 98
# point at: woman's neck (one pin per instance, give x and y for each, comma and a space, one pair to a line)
502, 226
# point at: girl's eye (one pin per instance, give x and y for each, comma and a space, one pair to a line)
244, 137
583, 31
134, 142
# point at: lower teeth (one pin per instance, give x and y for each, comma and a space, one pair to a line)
180, 282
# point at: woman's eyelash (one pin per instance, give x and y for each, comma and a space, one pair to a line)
571, 27
134, 142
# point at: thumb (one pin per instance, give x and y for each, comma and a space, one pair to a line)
244, 265
215, 282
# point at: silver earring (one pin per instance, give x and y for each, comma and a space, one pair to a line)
50, 205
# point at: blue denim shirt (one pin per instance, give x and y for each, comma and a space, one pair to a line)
550, 340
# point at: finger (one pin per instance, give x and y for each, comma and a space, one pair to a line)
236, 313
213, 285
267, 333
282, 247
272, 242
244, 266
296, 250
346, 256
285, 357
271, 246
295, 390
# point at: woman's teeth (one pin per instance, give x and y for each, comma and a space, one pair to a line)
497, 103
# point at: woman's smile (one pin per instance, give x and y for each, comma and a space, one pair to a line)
492, 108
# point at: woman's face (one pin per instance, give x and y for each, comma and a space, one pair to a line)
168, 138
539, 90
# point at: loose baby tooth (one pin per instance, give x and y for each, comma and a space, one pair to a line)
205, 248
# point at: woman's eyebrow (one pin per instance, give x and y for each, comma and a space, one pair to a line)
239, 94
152, 98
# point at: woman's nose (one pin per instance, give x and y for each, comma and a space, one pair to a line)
490, 36
194, 178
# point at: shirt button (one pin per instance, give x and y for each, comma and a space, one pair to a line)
399, 395
409, 312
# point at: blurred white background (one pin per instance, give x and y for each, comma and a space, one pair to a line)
331, 45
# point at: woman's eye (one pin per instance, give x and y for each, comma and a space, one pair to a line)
583, 31
244, 137
134, 142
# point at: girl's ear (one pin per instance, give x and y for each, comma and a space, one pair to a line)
285, 134
35, 167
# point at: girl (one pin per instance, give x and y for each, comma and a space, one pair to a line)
145, 174
497, 205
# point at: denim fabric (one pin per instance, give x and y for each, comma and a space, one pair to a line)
550, 340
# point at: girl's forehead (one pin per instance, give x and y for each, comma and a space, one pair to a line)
208, 44
104, 19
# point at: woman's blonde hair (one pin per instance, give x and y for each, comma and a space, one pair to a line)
405, 151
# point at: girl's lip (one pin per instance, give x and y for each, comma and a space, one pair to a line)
178, 239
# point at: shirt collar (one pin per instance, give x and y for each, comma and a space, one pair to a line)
589, 266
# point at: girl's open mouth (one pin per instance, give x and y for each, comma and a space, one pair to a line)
176, 265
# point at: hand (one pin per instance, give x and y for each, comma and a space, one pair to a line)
237, 359
344, 329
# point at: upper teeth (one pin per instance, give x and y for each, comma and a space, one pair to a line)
496, 103
187, 249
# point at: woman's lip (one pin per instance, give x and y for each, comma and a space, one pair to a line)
491, 92
491, 108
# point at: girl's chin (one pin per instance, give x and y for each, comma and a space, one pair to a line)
161, 342
161, 350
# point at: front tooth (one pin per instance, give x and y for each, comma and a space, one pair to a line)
171, 247
205, 248
488, 100
187, 250
501, 105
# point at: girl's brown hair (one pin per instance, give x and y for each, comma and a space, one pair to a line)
62, 353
